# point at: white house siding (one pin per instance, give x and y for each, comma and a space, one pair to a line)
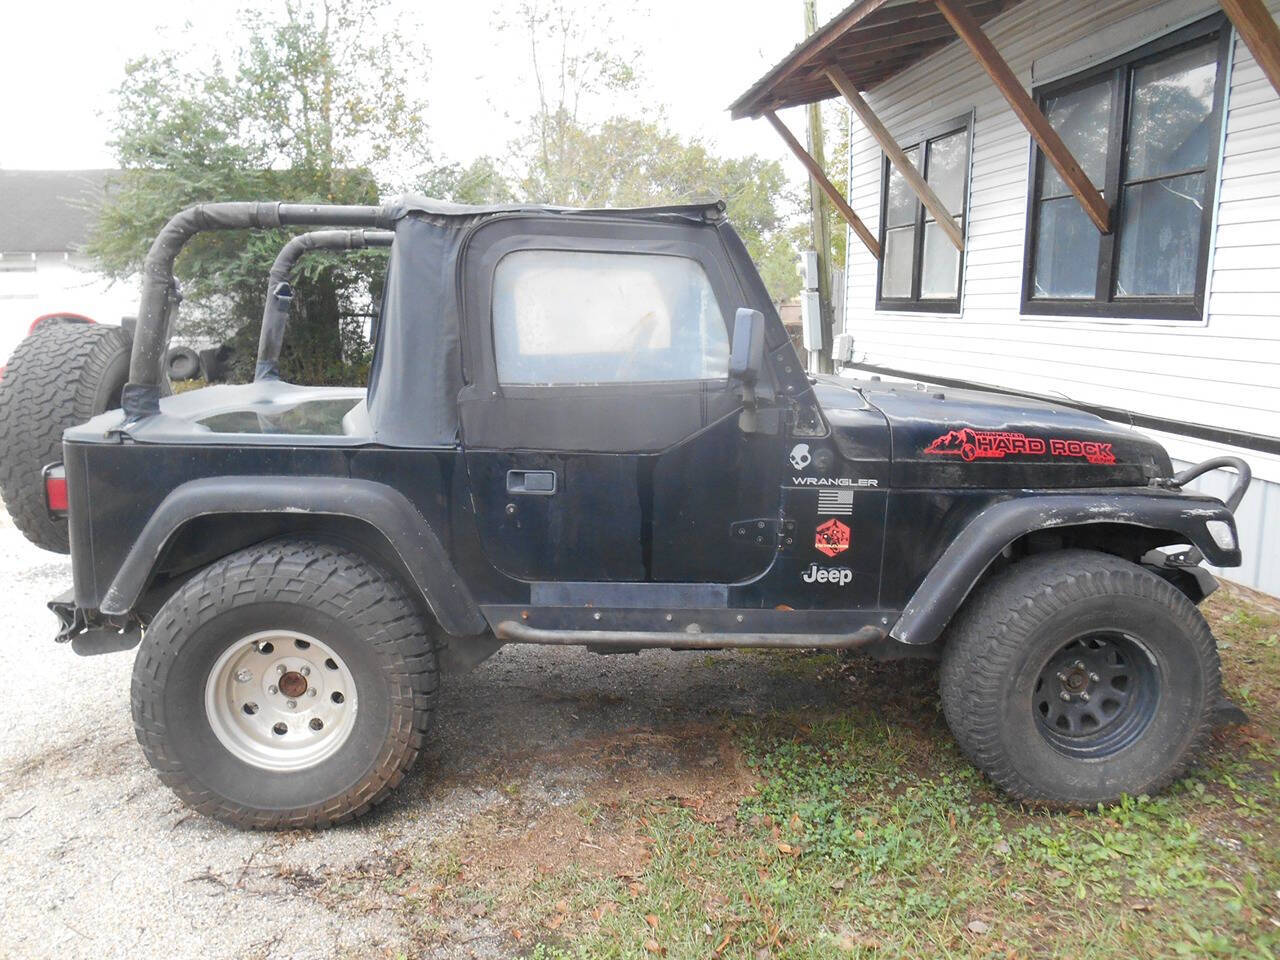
1224, 371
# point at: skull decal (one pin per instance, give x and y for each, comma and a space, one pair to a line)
800, 456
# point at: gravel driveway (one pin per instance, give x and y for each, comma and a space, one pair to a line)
97, 858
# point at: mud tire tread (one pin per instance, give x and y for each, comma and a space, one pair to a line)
53, 381
985, 641
324, 576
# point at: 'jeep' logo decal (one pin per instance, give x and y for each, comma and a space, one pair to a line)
969, 444
816, 574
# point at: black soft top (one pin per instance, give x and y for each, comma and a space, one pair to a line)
417, 363
413, 203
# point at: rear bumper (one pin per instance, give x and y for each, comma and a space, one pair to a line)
88, 632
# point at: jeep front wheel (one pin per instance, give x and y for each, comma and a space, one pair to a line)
288, 685
1075, 678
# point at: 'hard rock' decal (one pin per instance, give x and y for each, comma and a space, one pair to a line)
969, 444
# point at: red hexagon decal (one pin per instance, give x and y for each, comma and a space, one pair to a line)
832, 537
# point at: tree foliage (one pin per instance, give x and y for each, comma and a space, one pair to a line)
571, 155
312, 107
835, 122
316, 105
636, 160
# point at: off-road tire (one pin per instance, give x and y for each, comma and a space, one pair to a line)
182, 363
1007, 635
60, 376
361, 612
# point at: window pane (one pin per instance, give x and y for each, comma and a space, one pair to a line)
1066, 258
575, 317
948, 157
899, 250
1083, 120
900, 205
940, 273
1160, 238
1169, 113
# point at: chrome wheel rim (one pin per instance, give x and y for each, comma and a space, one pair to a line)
281, 700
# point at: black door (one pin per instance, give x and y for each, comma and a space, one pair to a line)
600, 427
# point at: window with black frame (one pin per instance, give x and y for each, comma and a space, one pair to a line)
1145, 128
920, 268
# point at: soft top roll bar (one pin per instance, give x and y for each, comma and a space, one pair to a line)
275, 311
141, 395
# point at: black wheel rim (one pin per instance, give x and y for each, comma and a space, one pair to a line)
1096, 695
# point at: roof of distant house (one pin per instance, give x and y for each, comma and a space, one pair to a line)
49, 210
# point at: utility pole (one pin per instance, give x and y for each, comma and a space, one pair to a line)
819, 221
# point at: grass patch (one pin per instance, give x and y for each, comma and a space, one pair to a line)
856, 829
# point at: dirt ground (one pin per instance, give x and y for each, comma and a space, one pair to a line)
569, 805
97, 858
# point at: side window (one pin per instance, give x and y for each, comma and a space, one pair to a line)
578, 317
921, 268
1145, 129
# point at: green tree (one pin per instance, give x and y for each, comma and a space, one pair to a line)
314, 106
623, 162
479, 182
563, 157
835, 120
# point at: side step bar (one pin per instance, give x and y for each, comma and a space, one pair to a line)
512, 632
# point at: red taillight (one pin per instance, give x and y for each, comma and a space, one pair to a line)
55, 488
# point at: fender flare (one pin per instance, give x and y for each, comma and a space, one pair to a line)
387, 510
948, 584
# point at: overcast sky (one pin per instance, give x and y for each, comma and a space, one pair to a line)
59, 62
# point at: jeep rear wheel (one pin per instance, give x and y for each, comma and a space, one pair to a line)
58, 377
288, 685
1074, 678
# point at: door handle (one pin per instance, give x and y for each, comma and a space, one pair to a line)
541, 482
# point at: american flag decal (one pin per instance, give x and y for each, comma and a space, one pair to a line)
835, 503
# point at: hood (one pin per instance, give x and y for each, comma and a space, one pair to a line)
970, 438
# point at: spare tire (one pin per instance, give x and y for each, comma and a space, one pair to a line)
49, 319
182, 363
58, 377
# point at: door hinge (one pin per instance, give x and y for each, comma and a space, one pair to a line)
780, 533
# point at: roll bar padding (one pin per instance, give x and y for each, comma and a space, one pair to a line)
141, 395
275, 310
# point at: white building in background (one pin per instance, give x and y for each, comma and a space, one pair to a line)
1174, 317
45, 219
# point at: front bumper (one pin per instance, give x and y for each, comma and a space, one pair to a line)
1225, 530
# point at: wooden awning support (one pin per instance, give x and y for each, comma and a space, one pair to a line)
1258, 30
1024, 107
827, 187
818, 44
899, 159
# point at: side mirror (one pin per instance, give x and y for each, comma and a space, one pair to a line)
746, 363
746, 358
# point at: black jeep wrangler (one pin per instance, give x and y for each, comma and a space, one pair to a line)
589, 427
